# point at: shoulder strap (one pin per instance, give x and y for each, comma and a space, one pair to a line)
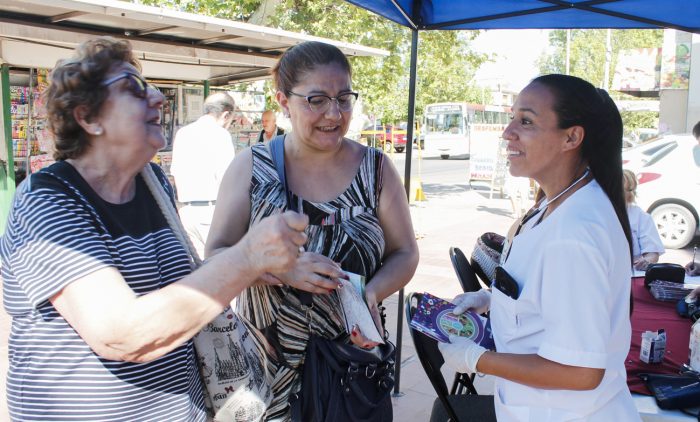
277, 154
170, 213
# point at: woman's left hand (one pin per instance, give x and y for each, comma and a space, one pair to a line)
356, 336
313, 273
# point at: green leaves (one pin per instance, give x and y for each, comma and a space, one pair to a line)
446, 64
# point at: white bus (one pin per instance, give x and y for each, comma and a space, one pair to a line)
459, 129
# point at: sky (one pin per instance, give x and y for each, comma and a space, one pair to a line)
516, 52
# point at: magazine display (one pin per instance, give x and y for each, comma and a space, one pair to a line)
434, 318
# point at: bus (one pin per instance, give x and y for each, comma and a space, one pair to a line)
462, 129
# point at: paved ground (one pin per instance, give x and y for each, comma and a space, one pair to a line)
453, 215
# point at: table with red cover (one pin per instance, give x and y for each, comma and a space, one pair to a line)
650, 314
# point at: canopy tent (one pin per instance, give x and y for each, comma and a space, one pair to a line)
419, 15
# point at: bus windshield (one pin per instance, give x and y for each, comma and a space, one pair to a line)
444, 123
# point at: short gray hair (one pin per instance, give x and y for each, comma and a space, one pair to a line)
218, 103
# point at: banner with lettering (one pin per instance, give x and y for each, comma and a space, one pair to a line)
234, 368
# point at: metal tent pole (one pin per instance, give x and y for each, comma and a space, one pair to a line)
407, 185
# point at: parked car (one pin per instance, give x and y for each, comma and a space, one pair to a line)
417, 135
384, 137
669, 190
638, 156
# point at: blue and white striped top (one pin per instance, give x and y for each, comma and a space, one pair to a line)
58, 231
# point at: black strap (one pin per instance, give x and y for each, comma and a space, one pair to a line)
277, 154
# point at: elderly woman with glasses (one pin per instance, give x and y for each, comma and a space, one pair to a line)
359, 220
101, 293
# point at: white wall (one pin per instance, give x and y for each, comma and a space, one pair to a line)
672, 110
694, 86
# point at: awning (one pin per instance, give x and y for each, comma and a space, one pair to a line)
170, 44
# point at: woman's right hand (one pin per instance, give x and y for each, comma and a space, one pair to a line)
273, 245
479, 302
312, 272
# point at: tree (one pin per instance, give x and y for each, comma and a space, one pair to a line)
587, 50
235, 10
445, 63
587, 60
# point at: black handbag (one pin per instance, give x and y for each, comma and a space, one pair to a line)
674, 391
665, 272
345, 383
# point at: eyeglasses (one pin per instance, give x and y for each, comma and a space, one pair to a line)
321, 103
136, 86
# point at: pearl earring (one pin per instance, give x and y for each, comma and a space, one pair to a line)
98, 131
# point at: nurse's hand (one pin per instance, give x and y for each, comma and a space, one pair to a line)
479, 302
461, 354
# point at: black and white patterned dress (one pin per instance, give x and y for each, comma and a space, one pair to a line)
345, 229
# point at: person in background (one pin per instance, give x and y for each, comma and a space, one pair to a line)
646, 242
693, 267
101, 294
202, 152
356, 203
270, 129
560, 309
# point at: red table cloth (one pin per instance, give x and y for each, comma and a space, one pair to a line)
650, 314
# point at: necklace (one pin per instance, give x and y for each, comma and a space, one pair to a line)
548, 201
536, 209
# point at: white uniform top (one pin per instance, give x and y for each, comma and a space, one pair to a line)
202, 152
645, 237
574, 272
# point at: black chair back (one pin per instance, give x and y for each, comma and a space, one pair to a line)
483, 279
465, 273
431, 359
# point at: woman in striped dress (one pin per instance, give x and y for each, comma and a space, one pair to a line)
359, 219
101, 293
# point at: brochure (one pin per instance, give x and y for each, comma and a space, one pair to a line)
434, 318
355, 310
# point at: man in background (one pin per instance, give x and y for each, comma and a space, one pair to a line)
202, 152
270, 129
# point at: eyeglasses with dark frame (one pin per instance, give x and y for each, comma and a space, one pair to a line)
319, 103
137, 85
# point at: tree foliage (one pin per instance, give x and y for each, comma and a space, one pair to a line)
587, 60
445, 63
233, 9
588, 51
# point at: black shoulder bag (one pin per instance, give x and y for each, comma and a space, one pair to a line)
340, 382
675, 391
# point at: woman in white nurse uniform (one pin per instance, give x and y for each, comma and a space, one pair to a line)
560, 306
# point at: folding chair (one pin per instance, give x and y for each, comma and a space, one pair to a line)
483, 279
447, 407
465, 273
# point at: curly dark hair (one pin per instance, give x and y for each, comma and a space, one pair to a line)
77, 82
